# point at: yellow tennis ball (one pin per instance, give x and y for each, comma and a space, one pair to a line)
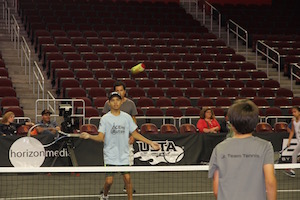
138, 68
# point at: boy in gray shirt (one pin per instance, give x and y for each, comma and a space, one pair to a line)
242, 167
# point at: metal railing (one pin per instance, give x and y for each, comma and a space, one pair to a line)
4, 5
19, 119
190, 6
50, 99
26, 58
15, 5
212, 11
15, 34
239, 32
138, 118
60, 101
190, 118
268, 54
293, 74
6, 15
277, 118
38, 81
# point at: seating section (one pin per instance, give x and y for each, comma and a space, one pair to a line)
85, 48
274, 24
8, 96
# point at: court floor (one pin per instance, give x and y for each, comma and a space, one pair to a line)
148, 186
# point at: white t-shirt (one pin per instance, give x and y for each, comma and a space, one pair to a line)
297, 129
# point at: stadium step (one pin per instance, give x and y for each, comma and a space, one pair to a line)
20, 81
262, 64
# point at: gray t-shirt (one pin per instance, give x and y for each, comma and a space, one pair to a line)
51, 124
240, 163
127, 106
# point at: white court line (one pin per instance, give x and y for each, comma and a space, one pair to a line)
288, 191
112, 195
124, 195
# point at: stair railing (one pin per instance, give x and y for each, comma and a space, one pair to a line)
26, 58
271, 55
61, 103
38, 82
294, 67
15, 34
190, 6
6, 15
239, 33
211, 9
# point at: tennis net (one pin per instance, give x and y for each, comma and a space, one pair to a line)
155, 182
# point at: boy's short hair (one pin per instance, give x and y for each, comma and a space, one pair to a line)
119, 83
244, 116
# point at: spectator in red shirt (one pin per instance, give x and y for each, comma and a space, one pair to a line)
207, 122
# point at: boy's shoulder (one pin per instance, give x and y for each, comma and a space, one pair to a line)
236, 141
124, 114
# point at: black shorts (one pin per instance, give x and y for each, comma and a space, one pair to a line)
107, 174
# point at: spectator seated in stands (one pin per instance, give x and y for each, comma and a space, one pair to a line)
207, 122
8, 127
46, 125
225, 126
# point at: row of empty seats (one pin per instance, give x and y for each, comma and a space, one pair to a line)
183, 103
274, 24
89, 51
8, 95
166, 88
150, 128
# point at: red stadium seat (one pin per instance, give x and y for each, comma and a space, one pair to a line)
164, 102
18, 111
263, 127
89, 128
188, 128
168, 129
280, 127
174, 112
149, 128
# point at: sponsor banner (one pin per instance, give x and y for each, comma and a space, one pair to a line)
27, 152
286, 156
30, 152
176, 149
184, 149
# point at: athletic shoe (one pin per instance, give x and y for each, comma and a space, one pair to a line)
102, 197
124, 190
101, 192
290, 173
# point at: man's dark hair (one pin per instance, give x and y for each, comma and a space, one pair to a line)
119, 83
296, 107
243, 115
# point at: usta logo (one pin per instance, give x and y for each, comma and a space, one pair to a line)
168, 153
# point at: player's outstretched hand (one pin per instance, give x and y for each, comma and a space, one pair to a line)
155, 145
84, 135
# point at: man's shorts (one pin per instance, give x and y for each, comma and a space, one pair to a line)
107, 174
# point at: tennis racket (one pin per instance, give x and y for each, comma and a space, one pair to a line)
60, 135
280, 155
